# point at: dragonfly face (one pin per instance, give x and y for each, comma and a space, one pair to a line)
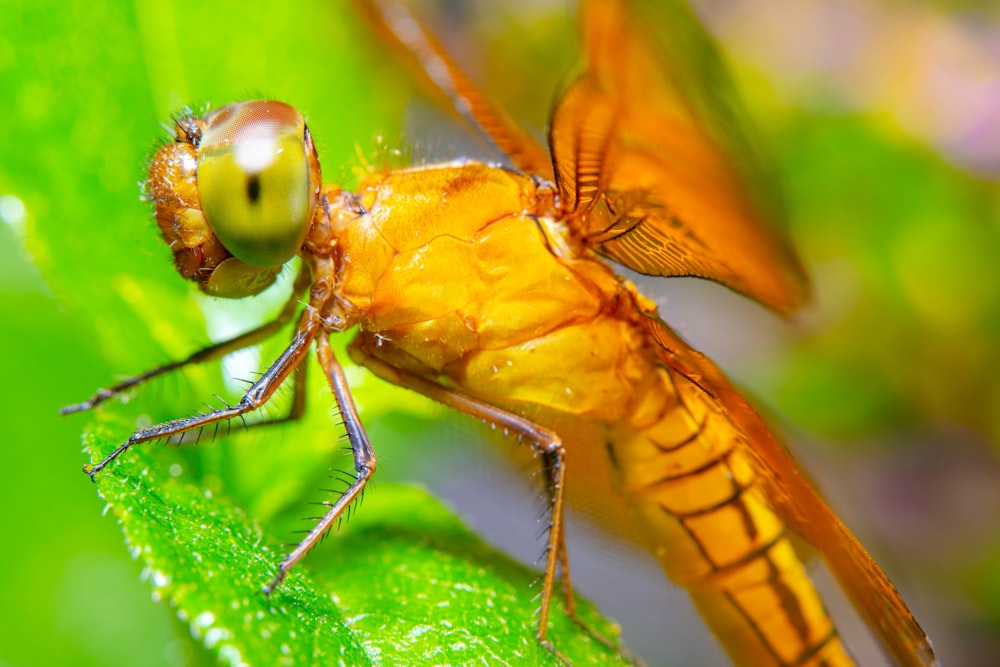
235, 194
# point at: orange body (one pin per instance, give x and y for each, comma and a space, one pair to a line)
488, 290
459, 273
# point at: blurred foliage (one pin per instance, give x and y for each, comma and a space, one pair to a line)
903, 338
904, 250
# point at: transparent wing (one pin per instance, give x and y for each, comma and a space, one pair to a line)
652, 158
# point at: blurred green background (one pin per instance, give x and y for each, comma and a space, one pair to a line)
884, 121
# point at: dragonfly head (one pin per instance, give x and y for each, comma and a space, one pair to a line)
235, 194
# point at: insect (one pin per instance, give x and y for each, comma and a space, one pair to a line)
488, 289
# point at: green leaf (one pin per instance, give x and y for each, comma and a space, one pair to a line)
206, 558
407, 583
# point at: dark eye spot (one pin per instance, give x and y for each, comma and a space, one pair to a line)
253, 188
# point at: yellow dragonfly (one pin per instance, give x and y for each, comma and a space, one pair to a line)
489, 289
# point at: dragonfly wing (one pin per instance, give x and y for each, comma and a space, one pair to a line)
653, 161
449, 85
799, 504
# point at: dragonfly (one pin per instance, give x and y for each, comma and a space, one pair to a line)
492, 290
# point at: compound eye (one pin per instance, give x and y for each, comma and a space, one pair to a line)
258, 180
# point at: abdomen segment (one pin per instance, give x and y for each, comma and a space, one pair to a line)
685, 474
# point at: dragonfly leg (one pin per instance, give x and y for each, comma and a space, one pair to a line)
298, 403
550, 465
213, 351
567, 585
364, 461
545, 441
259, 393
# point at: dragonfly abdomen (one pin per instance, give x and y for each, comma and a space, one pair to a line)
686, 475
